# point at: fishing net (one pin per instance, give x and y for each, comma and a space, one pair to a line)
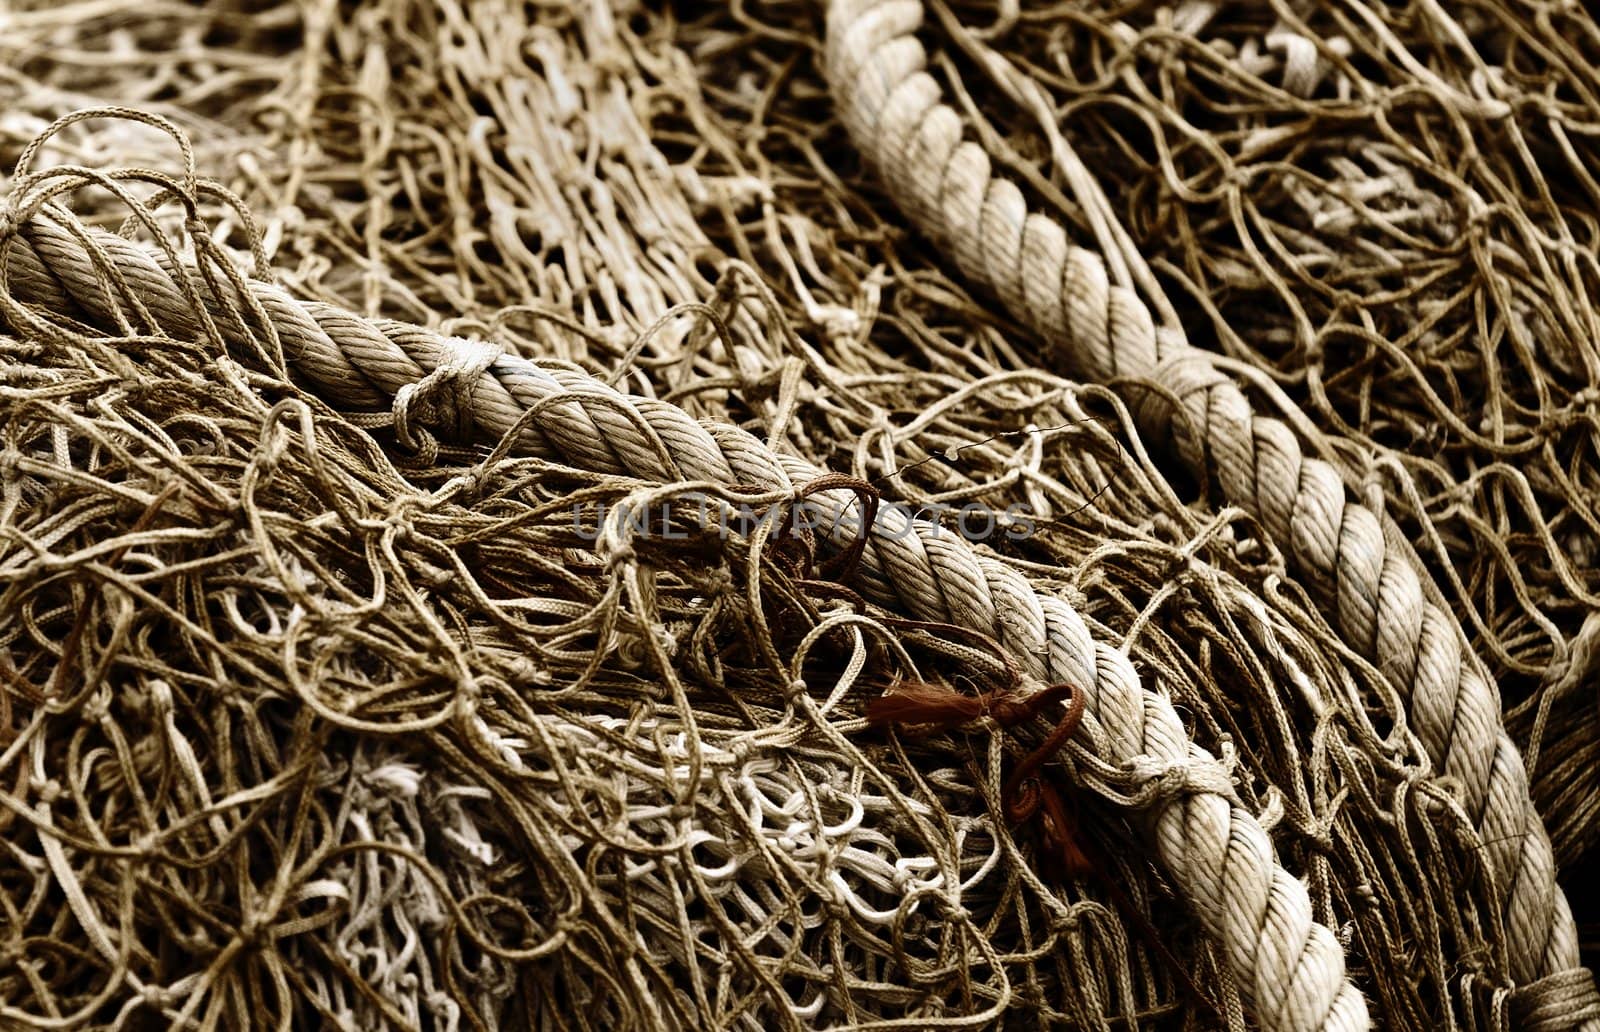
509, 519
1391, 213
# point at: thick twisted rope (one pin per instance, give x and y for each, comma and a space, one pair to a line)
893, 110
1288, 966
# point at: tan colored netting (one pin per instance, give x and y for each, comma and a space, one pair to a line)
320, 712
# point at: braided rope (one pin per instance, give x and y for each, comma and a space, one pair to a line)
894, 111
1290, 967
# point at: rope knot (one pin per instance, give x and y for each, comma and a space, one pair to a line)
157, 997
443, 400
398, 516
1065, 924
619, 558
49, 791
160, 698
470, 484
1562, 999
95, 708
1158, 780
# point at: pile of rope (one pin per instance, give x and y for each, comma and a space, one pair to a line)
1391, 213
575, 516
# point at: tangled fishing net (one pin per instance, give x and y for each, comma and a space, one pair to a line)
798, 514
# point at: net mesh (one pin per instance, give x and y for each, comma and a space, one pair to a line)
315, 716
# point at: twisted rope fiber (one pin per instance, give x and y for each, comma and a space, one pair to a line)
893, 111
1290, 967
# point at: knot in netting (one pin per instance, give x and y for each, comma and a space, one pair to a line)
443, 400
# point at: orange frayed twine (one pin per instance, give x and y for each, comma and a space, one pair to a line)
919, 704
1027, 793
930, 708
